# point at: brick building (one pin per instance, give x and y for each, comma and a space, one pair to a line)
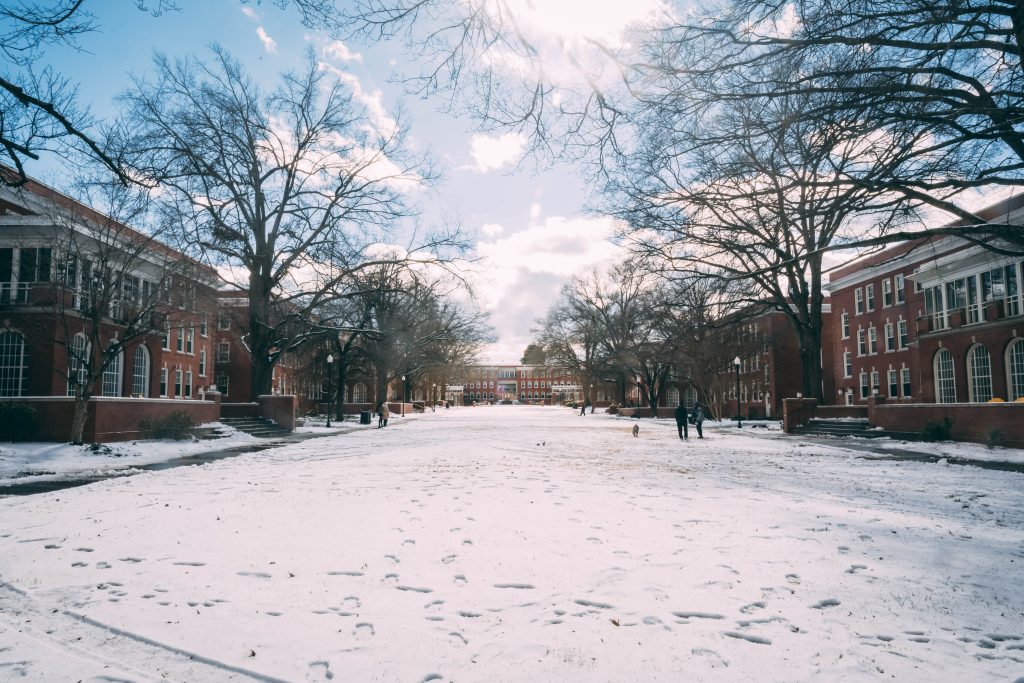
46, 292
931, 321
536, 384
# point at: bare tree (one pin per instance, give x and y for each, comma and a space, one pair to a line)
290, 193
757, 194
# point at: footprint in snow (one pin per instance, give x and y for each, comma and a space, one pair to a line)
854, 568
457, 639
459, 580
319, 670
255, 575
747, 609
363, 631
749, 637
793, 578
351, 602
827, 602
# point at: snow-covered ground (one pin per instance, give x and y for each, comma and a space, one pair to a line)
521, 544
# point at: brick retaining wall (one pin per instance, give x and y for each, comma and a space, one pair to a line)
971, 421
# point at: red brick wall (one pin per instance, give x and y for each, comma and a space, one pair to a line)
280, 409
111, 419
971, 422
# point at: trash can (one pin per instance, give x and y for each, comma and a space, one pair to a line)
364, 417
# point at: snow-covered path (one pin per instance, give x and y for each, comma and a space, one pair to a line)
521, 544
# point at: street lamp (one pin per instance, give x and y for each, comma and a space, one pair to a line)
403, 395
736, 364
330, 373
433, 396
591, 397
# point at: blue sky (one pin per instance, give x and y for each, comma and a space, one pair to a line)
530, 222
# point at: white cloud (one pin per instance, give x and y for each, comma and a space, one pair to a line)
250, 12
492, 229
268, 43
534, 211
373, 100
338, 50
490, 153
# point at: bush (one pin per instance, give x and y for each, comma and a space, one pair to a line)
17, 421
937, 431
995, 438
177, 426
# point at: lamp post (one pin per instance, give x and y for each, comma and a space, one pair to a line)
736, 364
330, 377
433, 397
590, 397
403, 395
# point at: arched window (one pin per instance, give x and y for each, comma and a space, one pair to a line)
140, 372
672, 397
979, 373
945, 381
13, 364
112, 376
78, 357
359, 393
1015, 369
690, 397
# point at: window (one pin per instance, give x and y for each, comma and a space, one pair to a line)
864, 391
202, 362
872, 340
33, 266
945, 381
1015, 368
901, 289
847, 364
890, 337
933, 306
875, 382
222, 384
858, 297
190, 340
165, 337
905, 379
223, 352
846, 325
177, 383
869, 294
188, 384
979, 373
359, 393
223, 321
901, 326
672, 397
140, 372
163, 382
862, 345
112, 376
204, 325
886, 293
894, 385
689, 397
12, 364
181, 340
78, 363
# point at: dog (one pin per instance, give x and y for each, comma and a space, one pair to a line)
636, 430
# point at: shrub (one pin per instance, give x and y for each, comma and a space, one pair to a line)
937, 431
995, 438
17, 421
177, 426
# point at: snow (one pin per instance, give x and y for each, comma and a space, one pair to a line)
521, 544
31, 462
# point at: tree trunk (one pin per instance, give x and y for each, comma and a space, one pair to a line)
78, 420
339, 392
810, 361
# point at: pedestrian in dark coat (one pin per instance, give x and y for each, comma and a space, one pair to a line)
583, 409
698, 420
681, 420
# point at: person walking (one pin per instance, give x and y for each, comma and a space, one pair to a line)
698, 420
380, 415
385, 414
583, 409
681, 419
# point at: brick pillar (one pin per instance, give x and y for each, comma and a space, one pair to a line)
873, 403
